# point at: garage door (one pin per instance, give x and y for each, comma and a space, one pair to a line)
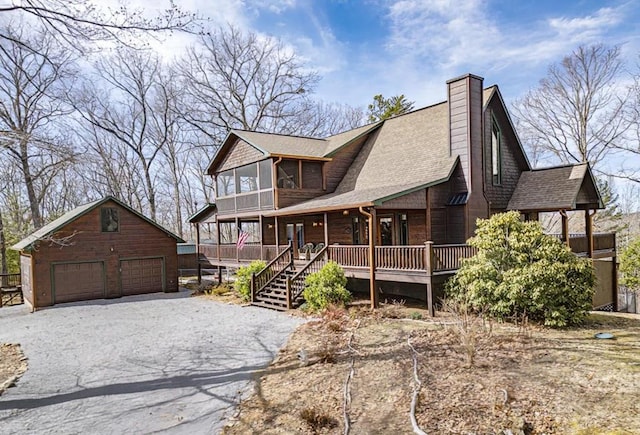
78, 281
143, 275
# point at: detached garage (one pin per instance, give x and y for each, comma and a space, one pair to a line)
103, 249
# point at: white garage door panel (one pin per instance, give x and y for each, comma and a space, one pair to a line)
78, 281
140, 276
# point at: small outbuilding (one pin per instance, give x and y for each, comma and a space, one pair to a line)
104, 249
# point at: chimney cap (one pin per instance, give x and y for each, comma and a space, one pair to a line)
464, 76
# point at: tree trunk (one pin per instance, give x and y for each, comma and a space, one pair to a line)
3, 252
31, 193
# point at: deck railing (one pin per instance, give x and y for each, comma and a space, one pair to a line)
296, 284
263, 278
250, 251
580, 245
349, 255
401, 257
448, 257
10, 280
413, 258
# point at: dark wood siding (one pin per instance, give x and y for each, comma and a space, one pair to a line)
241, 153
288, 197
415, 200
447, 221
136, 238
336, 169
512, 158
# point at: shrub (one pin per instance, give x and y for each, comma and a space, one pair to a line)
326, 287
519, 272
630, 266
243, 278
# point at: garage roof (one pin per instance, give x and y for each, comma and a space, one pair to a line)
56, 225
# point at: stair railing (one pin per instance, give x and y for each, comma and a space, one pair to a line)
296, 284
275, 267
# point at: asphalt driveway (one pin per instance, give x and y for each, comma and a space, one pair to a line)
163, 363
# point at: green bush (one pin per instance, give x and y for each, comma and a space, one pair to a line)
521, 273
243, 278
630, 266
326, 287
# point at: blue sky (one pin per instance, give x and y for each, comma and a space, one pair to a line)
412, 47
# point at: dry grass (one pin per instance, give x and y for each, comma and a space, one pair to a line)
12, 365
544, 381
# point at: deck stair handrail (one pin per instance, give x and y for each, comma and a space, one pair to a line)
10, 280
275, 267
296, 284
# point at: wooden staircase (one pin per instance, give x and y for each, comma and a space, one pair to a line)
274, 294
279, 285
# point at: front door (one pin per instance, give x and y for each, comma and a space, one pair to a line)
295, 235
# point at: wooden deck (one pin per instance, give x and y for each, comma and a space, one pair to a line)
414, 263
11, 289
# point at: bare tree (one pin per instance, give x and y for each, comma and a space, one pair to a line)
123, 111
76, 22
31, 86
239, 80
576, 114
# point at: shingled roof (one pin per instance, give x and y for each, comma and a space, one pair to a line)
407, 153
56, 225
568, 187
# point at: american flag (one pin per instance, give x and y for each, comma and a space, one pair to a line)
242, 239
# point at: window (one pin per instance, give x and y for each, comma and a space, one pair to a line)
386, 231
265, 174
288, 176
404, 229
225, 184
109, 221
355, 230
496, 157
247, 178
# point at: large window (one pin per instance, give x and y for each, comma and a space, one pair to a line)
265, 174
496, 157
226, 184
228, 233
288, 175
247, 178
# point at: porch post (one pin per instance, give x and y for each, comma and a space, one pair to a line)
218, 241
428, 215
237, 235
428, 262
198, 253
614, 275
277, 230
565, 227
588, 225
326, 229
373, 293
261, 237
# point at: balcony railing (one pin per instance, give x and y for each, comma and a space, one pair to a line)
230, 252
427, 258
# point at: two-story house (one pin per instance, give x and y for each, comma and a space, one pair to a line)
393, 202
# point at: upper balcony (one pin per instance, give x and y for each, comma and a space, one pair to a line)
268, 183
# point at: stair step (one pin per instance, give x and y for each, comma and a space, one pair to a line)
272, 297
270, 306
